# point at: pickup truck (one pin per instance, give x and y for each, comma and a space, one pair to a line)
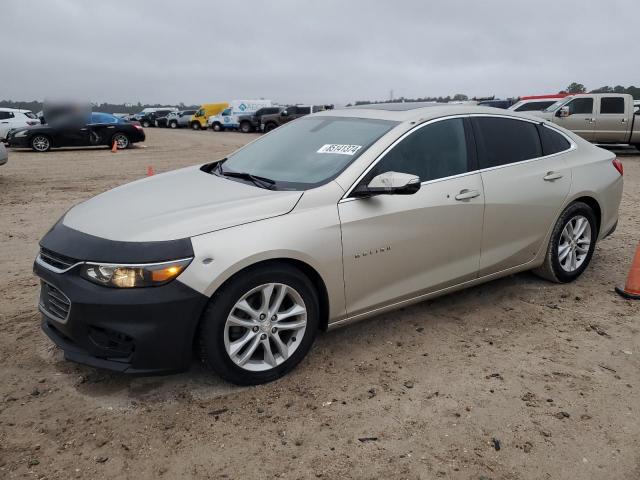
269, 122
598, 117
252, 122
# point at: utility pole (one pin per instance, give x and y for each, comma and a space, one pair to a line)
391, 95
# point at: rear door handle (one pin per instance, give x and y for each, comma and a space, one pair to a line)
467, 194
551, 176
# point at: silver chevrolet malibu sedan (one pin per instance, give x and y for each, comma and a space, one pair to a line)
332, 218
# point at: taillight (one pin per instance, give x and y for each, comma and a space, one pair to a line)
32, 122
618, 164
137, 126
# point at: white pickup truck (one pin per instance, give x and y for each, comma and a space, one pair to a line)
598, 117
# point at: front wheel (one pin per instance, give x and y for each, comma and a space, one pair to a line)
571, 245
41, 143
269, 126
216, 127
195, 125
245, 127
146, 124
173, 124
259, 326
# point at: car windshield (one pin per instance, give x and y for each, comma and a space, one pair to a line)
554, 106
307, 152
29, 115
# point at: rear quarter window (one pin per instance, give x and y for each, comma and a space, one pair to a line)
502, 141
552, 141
612, 105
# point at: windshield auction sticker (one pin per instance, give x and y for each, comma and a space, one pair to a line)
341, 149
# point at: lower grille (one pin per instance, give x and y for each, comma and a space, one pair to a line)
54, 303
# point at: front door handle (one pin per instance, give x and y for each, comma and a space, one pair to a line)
467, 194
551, 176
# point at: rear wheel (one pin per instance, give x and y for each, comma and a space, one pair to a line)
269, 126
122, 141
571, 244
173, 124
245, 127
260, 325
41, 143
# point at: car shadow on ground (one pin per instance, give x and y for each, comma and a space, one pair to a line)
199, 383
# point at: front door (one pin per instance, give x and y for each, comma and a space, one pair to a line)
581, 119
397, 247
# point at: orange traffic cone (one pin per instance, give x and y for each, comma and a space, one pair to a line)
149, 171
114, 147
631, 289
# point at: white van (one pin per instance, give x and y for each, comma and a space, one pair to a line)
228, 118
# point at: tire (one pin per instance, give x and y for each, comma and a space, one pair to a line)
146, 124
216, 334
637, 145
270, 126
196, 125
121, 139
216, 127
40, 143
173, 124
560, 270
245, 127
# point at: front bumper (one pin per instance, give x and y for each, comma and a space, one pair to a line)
138, 330
133, 330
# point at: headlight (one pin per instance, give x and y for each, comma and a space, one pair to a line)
131, 276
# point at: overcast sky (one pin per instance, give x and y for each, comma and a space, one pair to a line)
329, 51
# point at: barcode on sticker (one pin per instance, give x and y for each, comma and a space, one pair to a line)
341, 149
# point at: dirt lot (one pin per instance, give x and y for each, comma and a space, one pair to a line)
551, 372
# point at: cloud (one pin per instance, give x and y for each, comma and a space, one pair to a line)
319, 52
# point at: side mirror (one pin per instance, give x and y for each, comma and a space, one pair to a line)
283, 113
563, 112
390, 183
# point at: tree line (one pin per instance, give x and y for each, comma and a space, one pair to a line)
36, 106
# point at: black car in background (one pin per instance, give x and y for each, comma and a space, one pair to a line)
98, 129
148, 119
497, 103
251, 123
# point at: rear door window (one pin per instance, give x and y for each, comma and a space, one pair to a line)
437, 150
502, 141
612, 105
5, 115
534, 106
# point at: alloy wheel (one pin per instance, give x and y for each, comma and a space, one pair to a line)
121, 141
265, 327
574, 244
40, 143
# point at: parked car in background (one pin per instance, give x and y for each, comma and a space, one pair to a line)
229, 118
4, 156
180, 119
98, 129
15, 118
497, 103
598, 117
325, 221
636, 105
162, 118
251, 123
147, 117
199, 120
270, 122
536, 103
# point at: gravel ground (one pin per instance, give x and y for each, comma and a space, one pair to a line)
515, 379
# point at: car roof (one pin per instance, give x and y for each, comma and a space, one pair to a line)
7, 109
418, 112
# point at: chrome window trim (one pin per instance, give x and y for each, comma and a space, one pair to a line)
573, 146
44, 264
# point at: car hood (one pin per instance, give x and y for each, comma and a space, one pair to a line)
178, 204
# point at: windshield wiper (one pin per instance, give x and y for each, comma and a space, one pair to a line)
262, 182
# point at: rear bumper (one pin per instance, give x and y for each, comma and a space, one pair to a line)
18, 142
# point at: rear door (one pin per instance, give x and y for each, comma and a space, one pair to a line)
524, 187
581, 119
397, 247
613, 125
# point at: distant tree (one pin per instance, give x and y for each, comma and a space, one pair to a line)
460, 97
575, 88
605, 89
